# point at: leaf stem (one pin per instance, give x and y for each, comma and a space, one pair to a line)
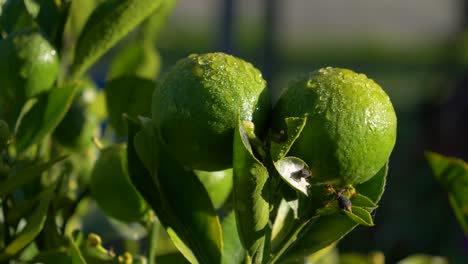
154, 228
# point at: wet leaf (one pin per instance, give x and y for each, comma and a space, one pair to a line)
108, 23
250, 197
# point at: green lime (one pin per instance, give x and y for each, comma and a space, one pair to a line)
28, 65
351, 125
112, 189
196, 105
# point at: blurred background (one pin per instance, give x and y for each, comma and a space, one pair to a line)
416, 50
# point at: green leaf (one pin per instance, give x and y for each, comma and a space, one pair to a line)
152, 26
446, 169
128, 94
284, 222
360, 216
374, 188
423, 259
54, 256
295, 172
109, 23
218, 184
323, 231
44, 116
294, 126
135, 59
176, 195
26, 175
452, 174
33, 227
15, 17
233, 252
250, 199
75, 253
360, 200
171, 258
51, 18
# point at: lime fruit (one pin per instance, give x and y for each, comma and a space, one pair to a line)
28, 64
112, 189
196, 105
351, 125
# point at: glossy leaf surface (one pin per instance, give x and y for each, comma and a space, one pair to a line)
452, 174
176, 195
250, 197
109, 23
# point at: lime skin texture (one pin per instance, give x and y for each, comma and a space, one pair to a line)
196, 106
351, 125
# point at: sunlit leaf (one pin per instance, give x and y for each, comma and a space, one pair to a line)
360, 216
233, 252
173, 193
363, 201
109, 23
250, 199
323, 231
